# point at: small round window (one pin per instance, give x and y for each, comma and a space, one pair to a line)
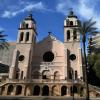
21, 58
72, 57
48, 56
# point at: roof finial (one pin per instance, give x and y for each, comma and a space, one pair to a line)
49, 33
30, 13
71, 11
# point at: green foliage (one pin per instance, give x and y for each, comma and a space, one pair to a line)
3, 41
96, 68
95, 64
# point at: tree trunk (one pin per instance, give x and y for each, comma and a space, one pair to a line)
85, 68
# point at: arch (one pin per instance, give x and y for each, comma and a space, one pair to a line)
56, 75
46, 74
27, 36
70, 75
63, 90
74, 35
36, 75
21, 74
18, 90
36, 90
74, 89
10, 89
71, 23
21, 36
17, 75
76, 75
45, 90
27, 25
68, 34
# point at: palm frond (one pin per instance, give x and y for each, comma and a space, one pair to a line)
3, 41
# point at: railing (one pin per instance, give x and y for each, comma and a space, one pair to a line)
40, 81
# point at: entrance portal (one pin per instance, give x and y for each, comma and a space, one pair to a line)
45, 91
63, 90
36, 90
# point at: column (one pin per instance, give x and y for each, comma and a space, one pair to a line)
23, 90
50, 91
68, 91
6, 89
14, 91
40, 91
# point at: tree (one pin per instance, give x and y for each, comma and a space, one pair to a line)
96, 66
3, 41
85, 28
94, 69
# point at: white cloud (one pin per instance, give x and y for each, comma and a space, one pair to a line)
27, 7
83, 8
1, 28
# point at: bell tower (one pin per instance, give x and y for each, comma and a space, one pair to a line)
72, 47
22, 59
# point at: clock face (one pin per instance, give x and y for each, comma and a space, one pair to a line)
48, 56
72, 57
21, 57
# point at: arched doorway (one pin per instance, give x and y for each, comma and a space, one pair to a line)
56, 75
71, 23
10, 89
63, 90
45, 90
36, 90
74, 89
18, 90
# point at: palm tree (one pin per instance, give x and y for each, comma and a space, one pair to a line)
85, 28
3, 41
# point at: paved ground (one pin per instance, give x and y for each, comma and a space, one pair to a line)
41, 98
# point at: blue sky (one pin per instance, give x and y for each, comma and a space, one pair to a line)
49, 15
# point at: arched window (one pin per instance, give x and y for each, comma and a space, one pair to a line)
36, 90
68, 34
27, 26
27, 36
17, 75
71, 23
74, 35
10, 89
21, 74
70, 75
75, 74
21, 36
56, 75
63, 90
45, 90
18, 90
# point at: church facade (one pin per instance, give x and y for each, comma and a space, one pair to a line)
49, 67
